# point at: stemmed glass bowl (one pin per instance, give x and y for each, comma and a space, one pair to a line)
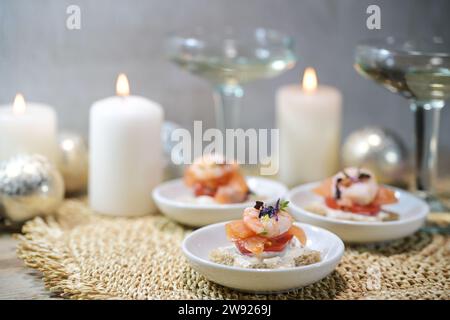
419, 70
230, 58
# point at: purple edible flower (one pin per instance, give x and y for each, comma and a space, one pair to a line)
269, 211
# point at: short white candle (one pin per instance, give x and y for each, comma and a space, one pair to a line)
125, 153
309, 120
28, 128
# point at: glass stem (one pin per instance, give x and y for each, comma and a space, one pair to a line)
426, 145
227, 99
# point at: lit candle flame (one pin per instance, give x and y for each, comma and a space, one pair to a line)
122, 85
19, 105
310, 80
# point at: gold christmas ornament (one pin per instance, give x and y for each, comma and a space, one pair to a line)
73, 162
380, 151
29, 186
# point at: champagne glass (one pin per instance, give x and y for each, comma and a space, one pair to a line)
419, 70
230, 58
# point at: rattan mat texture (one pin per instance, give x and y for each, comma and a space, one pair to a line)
86, 256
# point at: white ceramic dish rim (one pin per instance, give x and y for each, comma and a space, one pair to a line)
186, 205
307, 188
337, 255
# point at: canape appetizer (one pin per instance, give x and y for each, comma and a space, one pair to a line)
354, 194
265, 238
212, 179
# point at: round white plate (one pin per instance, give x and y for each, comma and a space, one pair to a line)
168, 194
197, 246
412, 213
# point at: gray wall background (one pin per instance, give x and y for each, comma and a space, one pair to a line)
71, 69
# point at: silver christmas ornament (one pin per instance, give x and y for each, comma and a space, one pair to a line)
380, 151
73, 162
29, 186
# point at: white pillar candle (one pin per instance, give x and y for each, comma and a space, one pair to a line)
28, 128
309, 120
125, 153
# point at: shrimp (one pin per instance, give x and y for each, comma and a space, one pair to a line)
252, 221
355, 185
264, 229
234, 192
209, 171
212, 176
266, 226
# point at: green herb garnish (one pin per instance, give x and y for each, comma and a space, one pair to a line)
284, 205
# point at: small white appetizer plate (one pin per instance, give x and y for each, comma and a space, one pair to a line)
169, 196
412, 213
197, 246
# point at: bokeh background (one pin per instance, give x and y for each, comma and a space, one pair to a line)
70, 69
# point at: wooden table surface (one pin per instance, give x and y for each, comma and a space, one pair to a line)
16, 280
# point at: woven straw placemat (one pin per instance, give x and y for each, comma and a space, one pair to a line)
86, 256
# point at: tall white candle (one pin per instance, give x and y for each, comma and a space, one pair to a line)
28, 128
309, 120
125, 153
